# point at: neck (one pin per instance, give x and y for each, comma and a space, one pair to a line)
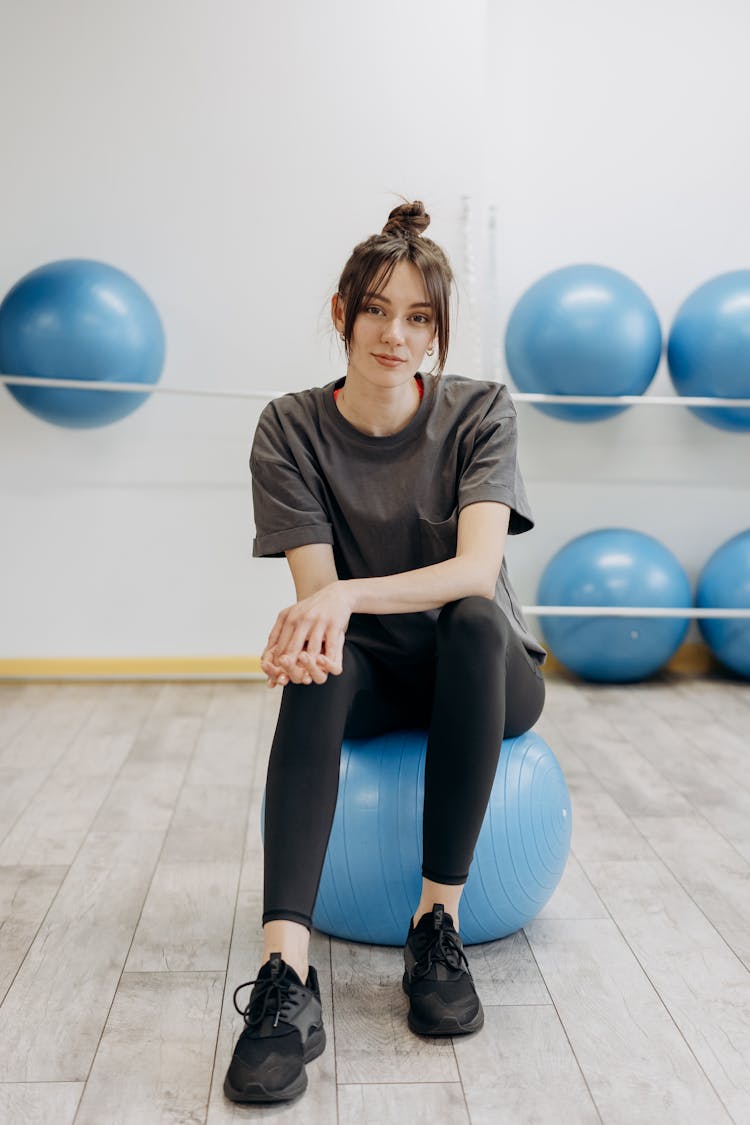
378, 411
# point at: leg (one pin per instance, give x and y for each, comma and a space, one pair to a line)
284, 1025
301, 790
486, 688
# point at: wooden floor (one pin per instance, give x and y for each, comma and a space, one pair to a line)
130, 901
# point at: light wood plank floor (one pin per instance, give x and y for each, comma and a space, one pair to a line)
130, 878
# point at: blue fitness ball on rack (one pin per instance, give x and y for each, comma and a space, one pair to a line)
583, 330
614, 567
80, 319
709, 348
724, 583
372, 879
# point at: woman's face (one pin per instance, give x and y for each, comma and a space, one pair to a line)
394, 329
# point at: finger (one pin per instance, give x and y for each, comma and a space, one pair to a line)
278, 628
287, 625
297, 672
315, 640
272, 668
294, 646
289, 643
317, 672
276, 674
335, 649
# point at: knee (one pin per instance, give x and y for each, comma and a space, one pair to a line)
342, 684
475, 621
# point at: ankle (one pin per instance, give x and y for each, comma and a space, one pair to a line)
292, 941
447, 893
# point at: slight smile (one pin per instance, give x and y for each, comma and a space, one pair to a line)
388, 360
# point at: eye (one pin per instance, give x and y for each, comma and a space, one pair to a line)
420, 318
373, 309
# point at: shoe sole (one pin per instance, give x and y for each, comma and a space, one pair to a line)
258, 1093
448, 1025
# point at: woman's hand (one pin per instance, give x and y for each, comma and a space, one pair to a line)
307, 640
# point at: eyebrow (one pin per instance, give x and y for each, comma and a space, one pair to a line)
385, 301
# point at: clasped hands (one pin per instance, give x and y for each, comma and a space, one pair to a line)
306, 643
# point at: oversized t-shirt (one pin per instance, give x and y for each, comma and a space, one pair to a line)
389, 504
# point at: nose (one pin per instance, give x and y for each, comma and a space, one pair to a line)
393, 331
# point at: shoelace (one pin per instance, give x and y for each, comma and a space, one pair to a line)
443, 949
271, 991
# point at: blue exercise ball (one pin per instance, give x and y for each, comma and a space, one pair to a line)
80, 319
709, 348
724, 583
371, 879
583, 330
614, 567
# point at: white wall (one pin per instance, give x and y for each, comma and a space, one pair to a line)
229, 154
617, 138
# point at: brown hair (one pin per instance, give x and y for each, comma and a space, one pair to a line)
373, 261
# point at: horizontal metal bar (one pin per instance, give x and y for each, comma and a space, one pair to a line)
631, 611
139, 388
218, 392
631, 400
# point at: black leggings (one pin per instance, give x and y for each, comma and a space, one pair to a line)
481, 686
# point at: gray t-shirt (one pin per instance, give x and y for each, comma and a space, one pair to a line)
389, 504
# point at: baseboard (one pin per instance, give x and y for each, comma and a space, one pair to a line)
134, 668
691, 659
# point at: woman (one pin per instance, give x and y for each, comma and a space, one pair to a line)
390, 493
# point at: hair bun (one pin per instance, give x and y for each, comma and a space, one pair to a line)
408, 219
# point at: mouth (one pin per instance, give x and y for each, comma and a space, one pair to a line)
388, 360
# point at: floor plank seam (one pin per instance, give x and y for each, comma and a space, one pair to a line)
461, 1081
666, 1008
80, 847
137, 921
54, 764
332, 1021
33, 937
218, 1066
565, 1031
686, 890
405, 1082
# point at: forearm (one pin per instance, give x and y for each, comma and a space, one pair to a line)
413, 591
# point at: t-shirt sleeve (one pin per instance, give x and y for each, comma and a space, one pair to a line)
286, 510
491, 471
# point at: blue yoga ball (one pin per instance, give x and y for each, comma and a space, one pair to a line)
709, 348
80, 319
724, 583
614, 567
371, 879
583, 330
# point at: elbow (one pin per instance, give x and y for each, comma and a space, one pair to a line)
486, 587
479, 582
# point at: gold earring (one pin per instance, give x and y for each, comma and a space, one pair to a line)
431, 351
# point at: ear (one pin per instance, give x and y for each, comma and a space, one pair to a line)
337, 312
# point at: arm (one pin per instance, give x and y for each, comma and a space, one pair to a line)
313, 568
319, 621
482, 532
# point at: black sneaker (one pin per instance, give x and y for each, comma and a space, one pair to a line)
284, 1031
442, 997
